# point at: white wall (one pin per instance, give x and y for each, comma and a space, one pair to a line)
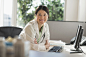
75, 10
14, 13
64, 31
71, 10
82, 10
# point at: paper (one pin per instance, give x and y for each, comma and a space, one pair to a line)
56, 43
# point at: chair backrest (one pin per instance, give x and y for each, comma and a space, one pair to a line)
9, 31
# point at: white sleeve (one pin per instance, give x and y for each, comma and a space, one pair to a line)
28, 34
47, 36
38, 47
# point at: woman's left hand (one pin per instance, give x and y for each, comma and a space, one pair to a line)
47, 44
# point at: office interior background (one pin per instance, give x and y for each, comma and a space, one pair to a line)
65, 15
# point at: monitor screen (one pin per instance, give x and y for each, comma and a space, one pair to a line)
78, 38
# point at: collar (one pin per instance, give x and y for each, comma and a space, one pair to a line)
36, 27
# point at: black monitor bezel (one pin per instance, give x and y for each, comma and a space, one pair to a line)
78, 37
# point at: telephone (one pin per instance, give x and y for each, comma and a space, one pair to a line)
82, 43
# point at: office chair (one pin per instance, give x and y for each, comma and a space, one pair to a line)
9, 31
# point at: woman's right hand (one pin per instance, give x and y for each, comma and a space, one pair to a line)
35, 41
47, 46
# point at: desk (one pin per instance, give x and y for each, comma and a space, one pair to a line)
51, 54
64, 53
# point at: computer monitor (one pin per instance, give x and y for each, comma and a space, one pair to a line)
78, 39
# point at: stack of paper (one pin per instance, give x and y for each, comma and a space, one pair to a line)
56, 43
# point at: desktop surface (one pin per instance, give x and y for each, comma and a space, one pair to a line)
51, 54
44, 54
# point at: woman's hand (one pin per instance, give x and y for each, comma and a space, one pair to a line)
47, 44
35, 41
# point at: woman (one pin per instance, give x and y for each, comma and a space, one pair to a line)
37, 30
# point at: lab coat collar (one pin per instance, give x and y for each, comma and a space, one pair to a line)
37, 29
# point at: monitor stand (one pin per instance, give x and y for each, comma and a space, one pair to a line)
77, 51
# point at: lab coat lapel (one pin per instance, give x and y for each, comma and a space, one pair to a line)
43, 31
36, 27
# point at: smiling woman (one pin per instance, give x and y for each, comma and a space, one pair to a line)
42, 17
37, 30
41, 14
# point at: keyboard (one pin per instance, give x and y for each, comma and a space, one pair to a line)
56, 49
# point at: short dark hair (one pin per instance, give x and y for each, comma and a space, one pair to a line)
41, 7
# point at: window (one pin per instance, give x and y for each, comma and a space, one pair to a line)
26, 10
1, 12
0, 8
74, 10
7, 12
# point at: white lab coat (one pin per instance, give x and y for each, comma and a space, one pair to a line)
31, 31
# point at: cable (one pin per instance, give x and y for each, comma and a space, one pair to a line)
82, 51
